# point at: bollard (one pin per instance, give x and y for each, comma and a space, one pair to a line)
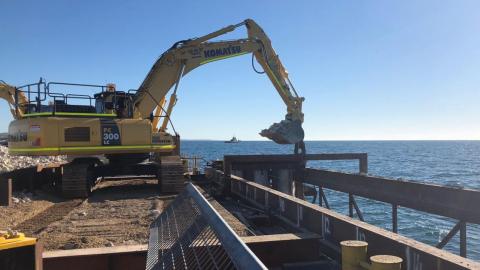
353, 252
386, 262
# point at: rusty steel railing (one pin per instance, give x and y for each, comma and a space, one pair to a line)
444, 201
334, 228
449, 202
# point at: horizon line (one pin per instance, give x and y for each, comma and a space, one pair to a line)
341, 140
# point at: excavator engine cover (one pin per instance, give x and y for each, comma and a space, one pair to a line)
285, 132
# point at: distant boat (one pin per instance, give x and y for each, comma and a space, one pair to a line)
233, 140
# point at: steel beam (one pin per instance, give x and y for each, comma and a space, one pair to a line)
445, 201
449, 235
361, 157
463, 239
323, 198
462, 227
118, 258
278, 249
334, 227
274, 250
357, 209
394, 218
253, 162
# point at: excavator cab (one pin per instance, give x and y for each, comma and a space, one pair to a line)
119, 103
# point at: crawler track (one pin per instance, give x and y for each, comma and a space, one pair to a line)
39, 222
117, 213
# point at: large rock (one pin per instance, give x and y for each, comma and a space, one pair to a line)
285, 132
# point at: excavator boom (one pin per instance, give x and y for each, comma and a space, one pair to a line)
184, 56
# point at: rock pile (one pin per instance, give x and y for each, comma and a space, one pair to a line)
10, 163
21, 197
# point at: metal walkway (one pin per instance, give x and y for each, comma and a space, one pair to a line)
190, 234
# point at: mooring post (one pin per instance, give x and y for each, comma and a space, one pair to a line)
5, 191
385, 262
353, 253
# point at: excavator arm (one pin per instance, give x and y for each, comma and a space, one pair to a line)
7, 92
184, 56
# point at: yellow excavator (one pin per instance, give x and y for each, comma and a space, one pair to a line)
123, 125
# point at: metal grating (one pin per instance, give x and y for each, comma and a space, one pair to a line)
190, 234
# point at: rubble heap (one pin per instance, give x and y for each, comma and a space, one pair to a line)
10, 163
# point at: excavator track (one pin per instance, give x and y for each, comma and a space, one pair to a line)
171, 174
77, 180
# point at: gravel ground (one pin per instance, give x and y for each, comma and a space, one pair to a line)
117, 213
24, 207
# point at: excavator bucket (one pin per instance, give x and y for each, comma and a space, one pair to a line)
285, 132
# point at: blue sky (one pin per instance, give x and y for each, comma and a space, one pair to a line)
367, 69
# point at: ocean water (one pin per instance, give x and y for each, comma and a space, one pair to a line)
449, 163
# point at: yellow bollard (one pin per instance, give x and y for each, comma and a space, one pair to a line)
386, 262
353, 252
